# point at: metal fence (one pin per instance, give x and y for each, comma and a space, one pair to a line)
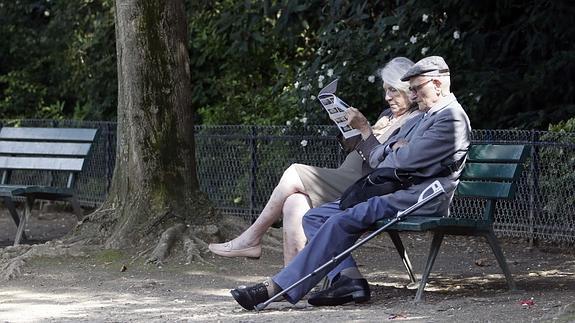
238, 167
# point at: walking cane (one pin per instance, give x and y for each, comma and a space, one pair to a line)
436, 189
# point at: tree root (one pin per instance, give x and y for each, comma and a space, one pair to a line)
13, 259
193, 252
167, 241
192, 238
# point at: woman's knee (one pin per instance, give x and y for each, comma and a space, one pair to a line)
290, 179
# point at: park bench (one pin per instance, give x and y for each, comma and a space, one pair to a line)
50, 159
491, 173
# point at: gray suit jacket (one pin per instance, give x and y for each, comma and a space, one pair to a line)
440, 138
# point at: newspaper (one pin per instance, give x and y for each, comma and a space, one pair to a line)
336, 109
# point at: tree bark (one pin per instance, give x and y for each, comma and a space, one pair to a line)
155, 182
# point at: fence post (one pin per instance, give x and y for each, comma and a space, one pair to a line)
532, 187
253, 170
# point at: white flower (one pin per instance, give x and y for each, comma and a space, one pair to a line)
303, 100
344, 63
322, 66
320, 78
303, 143
46, 13
330, 72
312, 97
303, 120
320, 84
371, 78
456, 34
478, 98
288, 123
424, 50
296, 84
413, 39
395, 28
329, 51
424, 17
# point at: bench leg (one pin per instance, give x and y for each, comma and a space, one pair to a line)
403, 254
13, 212
24, 219
433, 251
494, 244
12, 208
76, 206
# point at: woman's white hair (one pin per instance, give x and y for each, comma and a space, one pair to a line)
392, 72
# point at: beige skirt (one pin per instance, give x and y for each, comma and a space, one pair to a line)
327, 184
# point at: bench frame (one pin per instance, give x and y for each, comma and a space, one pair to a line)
45, 150
491, 174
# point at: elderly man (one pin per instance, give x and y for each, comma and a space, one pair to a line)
432, 147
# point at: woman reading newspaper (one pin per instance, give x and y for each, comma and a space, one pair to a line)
302, 186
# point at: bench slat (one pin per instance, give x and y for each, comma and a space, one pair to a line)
424, 223
497, 153
487, 190
44, 148
41, 163
49, 134
491, 172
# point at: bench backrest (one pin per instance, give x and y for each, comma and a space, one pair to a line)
491, 172
44, 149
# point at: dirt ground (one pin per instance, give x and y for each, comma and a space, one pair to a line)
110, 286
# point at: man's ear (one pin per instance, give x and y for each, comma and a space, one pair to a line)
439, 86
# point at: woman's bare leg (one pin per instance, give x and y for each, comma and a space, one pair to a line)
295, 207
289, 184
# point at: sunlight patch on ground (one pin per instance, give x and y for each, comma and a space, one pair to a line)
211, 292
20, 305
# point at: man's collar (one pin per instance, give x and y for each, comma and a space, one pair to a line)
443, 102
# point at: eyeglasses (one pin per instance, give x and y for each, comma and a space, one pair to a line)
416, 88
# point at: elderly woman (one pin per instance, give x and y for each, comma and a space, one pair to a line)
302, 186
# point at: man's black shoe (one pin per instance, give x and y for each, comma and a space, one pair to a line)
249, 297
342, 291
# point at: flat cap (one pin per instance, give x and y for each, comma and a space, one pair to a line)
431, 66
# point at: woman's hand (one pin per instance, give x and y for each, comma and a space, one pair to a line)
358, 121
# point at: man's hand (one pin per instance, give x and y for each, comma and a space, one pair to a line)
398, 144
358, 121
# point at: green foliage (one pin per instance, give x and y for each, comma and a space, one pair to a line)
58, 59
263, 62
558, 178
563, 126
242, 53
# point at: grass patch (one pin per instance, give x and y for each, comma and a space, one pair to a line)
109, 255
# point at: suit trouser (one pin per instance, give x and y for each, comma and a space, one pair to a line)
330, 231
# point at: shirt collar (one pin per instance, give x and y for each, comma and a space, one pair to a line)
443, 102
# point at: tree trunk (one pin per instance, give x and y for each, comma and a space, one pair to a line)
155, 182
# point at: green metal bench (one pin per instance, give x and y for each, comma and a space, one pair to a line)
491, 173
41, 153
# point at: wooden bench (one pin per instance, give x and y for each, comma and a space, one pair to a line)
41, 154
490, 174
